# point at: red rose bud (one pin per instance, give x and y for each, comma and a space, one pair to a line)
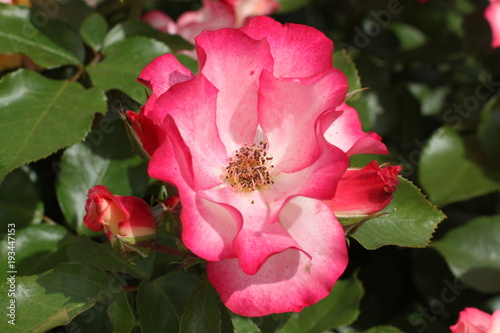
365, 191
126, 221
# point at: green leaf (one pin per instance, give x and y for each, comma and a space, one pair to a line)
409, 220
93, 30
129, 29
409, 37
54, 298
121, 315
41, 116
291, 5
382, 329
340, 308
489, 128
19, 202
343, 61
38, 248
19, 35
272, 322
123, 63
202, 313
105, 158
431, 99
453, 168
244, 324
64, 36
473, 254
102, 256
161, 302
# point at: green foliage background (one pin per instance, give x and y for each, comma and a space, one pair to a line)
433, 96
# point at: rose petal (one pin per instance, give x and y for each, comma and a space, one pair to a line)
159, 75
195, 119
232, 62
288, 111
298, 50
345, 132
257, 239
290, 280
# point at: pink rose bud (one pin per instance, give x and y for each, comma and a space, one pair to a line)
472, 320
126, 220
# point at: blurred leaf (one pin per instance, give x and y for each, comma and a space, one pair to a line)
72, 12
453, 168
291, 5
54, 298
94, 319
128, 29
473, 254
41, 116
244, 324
123, 63
102, 256
381, 329
19, 35
161, 302
202, 313
409, 36
121, 315
93, 30
340, 308
38, 248
63, 35
105, 158
489, 128
273, 322
431, 99
410, 221
19, 202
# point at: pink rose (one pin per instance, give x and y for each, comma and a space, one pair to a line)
472, 320
125, 220
492, 15
213, 15
254, 143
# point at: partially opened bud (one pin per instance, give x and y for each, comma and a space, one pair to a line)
126, 221
365, 191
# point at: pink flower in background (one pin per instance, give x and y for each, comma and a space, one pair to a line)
472, 320
254, 143
245, 9
121, 217
492, 15
213, 15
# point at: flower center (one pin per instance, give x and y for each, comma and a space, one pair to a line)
249, 167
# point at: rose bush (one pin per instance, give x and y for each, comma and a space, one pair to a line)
126, 221
472, 320
255, 143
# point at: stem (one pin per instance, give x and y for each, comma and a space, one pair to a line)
168, 250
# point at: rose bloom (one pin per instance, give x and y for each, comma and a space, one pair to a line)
124, 218
256, 144
492, 15
213, 15
472, 320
